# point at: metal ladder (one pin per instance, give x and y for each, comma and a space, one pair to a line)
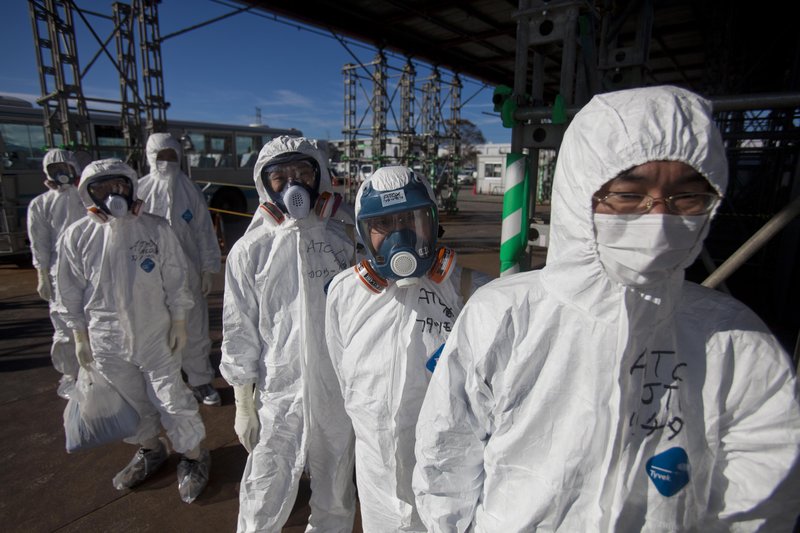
59, 75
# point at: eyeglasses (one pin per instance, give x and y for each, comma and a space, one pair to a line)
686, 203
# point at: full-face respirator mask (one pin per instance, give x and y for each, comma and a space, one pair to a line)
292, 182
112, 194
399, 228
59, 174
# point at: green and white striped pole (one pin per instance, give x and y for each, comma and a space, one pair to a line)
514, 232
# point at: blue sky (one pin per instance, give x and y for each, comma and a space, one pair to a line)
222, 72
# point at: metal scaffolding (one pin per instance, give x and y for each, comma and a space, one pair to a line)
152, 69
130, 110
407, 109
59, 74
66, 114
414, 139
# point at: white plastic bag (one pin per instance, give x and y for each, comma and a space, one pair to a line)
96, 413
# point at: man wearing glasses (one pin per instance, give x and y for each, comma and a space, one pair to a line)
604, 392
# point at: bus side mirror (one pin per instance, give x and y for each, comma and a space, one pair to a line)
187, 144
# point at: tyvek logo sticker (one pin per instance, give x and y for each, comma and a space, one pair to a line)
187, 216
431, 364
147, 265
393, 197
669, 471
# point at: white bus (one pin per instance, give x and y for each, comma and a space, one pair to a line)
221, 161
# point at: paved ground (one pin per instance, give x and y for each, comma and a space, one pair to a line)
46, 489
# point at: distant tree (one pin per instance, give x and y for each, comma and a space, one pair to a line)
470, 133
471, 136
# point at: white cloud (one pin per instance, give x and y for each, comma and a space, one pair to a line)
286, 97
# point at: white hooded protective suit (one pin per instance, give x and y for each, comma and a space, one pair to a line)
175, 197
124, 281
274, 337
49, 215
380, 345
564, 401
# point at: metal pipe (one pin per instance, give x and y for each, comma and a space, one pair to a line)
520, 70
719, 103
708, 262
200, 25
754, 243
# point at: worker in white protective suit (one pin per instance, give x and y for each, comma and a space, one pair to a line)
604, 392
49, 214
169, 193
289, 410
386, 323
122, 284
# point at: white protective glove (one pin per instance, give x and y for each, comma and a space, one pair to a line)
44, 288
246, 422
83, 350
206, 282
177, 336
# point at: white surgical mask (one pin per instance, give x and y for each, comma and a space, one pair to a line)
297, 201
117, 205
639, 250
167, 169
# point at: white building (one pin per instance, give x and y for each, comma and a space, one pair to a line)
491, 162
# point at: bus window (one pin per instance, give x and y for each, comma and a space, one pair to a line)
24, 146
221, 150
195, 157
109, 142
247, 148
211, 150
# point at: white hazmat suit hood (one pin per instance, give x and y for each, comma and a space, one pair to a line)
326, 204
284, 144
98, 170
61, 156
616, 132
566, 400
163, 169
